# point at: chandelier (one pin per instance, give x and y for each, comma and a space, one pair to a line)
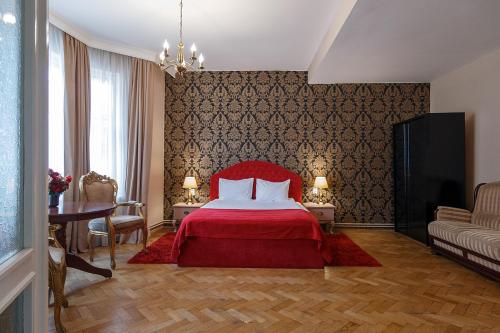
179, 63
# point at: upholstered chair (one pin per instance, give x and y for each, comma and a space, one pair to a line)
98, 188
57, 276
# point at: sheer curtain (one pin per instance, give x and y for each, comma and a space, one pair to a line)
56, 99
110, 84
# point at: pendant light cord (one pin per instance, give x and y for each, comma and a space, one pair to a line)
181, 22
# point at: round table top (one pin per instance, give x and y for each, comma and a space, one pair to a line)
77, 211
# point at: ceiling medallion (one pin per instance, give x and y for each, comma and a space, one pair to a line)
179, 63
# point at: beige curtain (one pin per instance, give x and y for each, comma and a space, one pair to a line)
147, 97
76, 129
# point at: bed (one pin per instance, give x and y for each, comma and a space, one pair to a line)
252, 234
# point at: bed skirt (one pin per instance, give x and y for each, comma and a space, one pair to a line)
250, 253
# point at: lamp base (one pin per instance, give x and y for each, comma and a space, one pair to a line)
320, 198
190, 197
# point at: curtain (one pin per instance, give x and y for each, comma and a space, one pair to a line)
110, 83
76, 129
56, 99
147, 96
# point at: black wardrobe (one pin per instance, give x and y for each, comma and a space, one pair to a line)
429, 169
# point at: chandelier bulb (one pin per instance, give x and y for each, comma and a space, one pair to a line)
166, 46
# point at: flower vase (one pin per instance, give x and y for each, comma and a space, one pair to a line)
54, 199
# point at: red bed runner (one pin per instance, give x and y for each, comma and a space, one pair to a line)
251, 224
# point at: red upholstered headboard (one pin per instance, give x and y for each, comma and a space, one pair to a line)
258, 169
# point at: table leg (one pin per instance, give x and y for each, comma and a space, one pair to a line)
77, 262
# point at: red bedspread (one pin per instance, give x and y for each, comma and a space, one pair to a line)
251, 224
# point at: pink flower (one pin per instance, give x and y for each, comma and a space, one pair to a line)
58, 183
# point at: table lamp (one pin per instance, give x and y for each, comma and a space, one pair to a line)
190, 185
320, 183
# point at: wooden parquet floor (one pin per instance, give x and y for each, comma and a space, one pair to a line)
414, 291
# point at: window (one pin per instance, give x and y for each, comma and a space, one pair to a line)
56, 99
11, 107
110, 82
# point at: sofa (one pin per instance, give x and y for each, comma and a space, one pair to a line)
471, 238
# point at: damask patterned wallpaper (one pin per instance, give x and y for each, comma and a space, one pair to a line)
342, 131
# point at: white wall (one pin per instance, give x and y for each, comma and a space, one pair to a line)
475, 90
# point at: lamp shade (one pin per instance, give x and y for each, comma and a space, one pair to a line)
189, 182
320, 182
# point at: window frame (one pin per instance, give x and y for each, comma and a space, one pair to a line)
26, 272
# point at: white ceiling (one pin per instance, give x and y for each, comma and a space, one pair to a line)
409, 40
336, 40
232, 34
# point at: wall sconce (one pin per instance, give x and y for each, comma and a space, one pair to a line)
319, 184
191, 185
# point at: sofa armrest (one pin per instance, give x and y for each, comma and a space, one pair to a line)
453, 214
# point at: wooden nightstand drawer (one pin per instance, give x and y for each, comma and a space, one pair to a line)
323, 214
181, 210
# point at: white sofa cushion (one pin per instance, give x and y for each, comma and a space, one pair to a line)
449, 231
483, 241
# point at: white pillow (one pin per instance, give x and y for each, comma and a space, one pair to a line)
272, 191
235, 189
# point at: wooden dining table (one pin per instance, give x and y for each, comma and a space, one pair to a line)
79, 212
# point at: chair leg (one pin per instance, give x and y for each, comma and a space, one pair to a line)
111, 241
63, 283
58, 289
112, 245
90, 241
145, 237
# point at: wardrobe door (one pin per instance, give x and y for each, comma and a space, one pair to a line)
417, 198
446, 169
400, 179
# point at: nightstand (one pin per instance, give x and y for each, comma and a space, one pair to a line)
325, 213
182, 209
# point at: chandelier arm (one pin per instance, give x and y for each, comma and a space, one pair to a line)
167, 66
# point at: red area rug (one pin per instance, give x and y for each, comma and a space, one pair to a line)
345, 252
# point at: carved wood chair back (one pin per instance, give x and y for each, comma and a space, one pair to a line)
98, 188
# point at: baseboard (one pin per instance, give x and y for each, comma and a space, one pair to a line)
160, 224
365, 225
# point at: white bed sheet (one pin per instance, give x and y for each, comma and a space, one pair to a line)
253, 204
